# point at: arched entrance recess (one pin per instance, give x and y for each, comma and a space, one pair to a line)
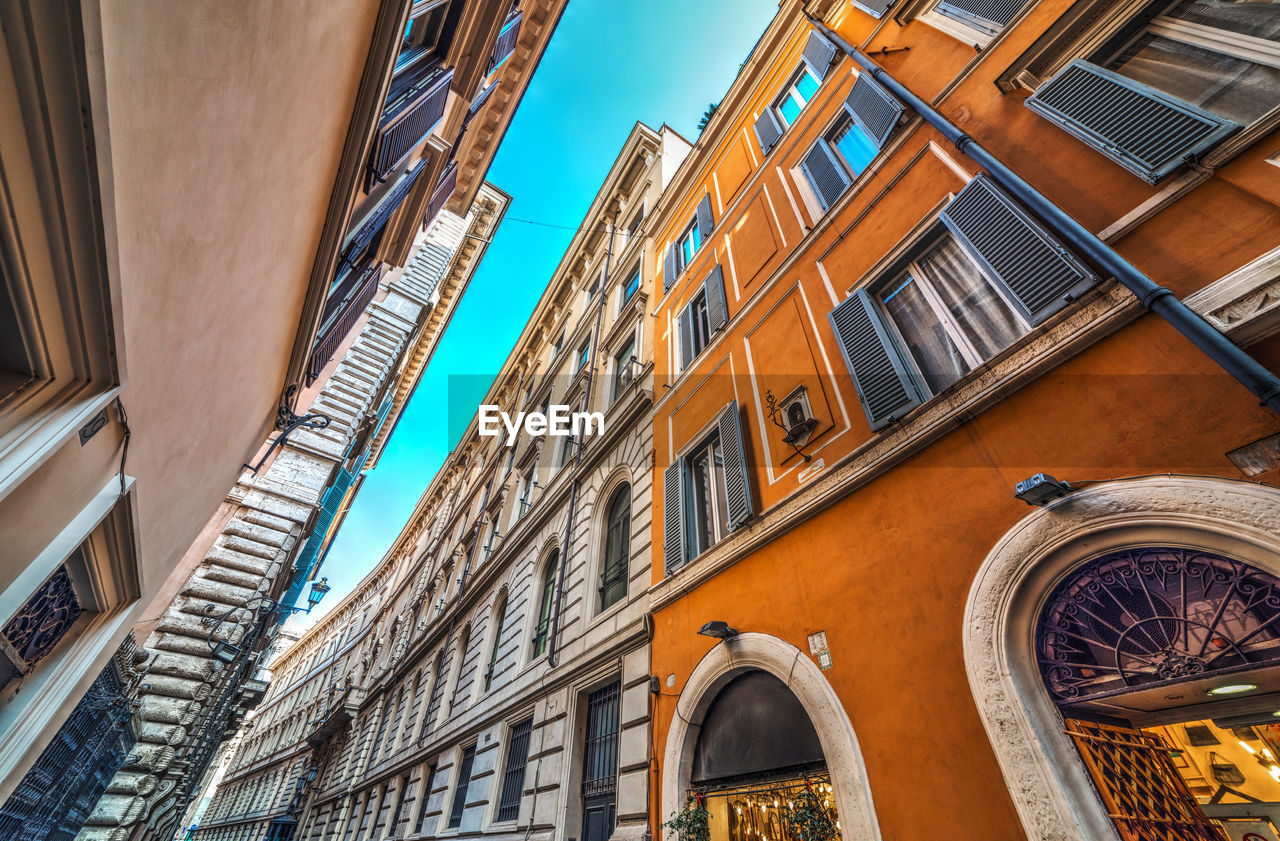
737, 658
1094, 633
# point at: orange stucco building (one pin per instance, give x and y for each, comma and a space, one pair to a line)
956, 662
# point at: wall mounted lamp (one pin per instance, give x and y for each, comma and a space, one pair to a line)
1041, 489
717, 629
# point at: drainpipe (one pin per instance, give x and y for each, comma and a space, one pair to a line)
1263, 383
553, 633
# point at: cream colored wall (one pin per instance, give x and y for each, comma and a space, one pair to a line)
226, 125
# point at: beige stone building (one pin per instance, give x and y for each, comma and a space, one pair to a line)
209, 213
474, 683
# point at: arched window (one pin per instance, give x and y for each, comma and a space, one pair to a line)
544, 609
617, 549
500, 617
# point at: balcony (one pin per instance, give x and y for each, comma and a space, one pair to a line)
408, 117
507, 39
345, 305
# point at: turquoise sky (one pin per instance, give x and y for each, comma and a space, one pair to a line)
609, 64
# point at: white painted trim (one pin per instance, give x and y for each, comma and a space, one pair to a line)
840, 748
1245, 303
1050, 787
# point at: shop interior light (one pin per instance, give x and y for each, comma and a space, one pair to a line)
1233, 689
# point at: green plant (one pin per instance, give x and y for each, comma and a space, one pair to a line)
692, 823
707, 115
809, 819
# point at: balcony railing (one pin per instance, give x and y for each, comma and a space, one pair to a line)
408, 118
342, 318
507, 39
442, 193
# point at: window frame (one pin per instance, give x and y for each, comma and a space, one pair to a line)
614, 499
792, 89
541, 620
691, 238
708, 445
623, 373
909, 266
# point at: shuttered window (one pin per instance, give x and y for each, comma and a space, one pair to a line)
707, 492
768, 130
818, 54
824, 174
875, 8
976, 286
989, 16
874, 109
706, 314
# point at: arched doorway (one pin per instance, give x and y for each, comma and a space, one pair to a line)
756, 758
757, 718
1124, 652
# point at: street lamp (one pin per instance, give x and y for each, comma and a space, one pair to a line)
226, 652
318, 589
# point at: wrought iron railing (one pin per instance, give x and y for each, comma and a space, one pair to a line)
343, 317
600, 759
408, 118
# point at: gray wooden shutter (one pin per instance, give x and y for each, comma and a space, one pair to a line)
673, 543
875, 8
818, 53
686, 338
1016, 250
826, 176
669, 268
717, 303
1144, 130
873, 108
737, 487
995, 13
705, 221
768, 130
885, 387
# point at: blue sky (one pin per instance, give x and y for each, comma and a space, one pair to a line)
609, 64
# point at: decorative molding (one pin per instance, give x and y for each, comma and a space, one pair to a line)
1244, 304
1046, 778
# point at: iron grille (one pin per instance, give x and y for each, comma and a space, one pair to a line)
1145, 616
600, 757
460, 790
513, 777
36, 628
56, 797
381, 731
437, 693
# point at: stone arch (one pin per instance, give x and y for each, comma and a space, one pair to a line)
1051, 790
743, 653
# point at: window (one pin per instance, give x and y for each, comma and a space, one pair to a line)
682, 251
492, 542
623, 365
566, 450
513, 776
852, 142
460, 694
796, 93
633, 227
460, 791
979, 19
555, 346
437, 693
544, 606
706, 492
706, 313
1195, 72
584, 354
631, 285
500, 617
976, 284
617, 549
528, 482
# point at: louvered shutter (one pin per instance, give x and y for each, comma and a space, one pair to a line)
1144, 130
705, 221
686, 338
768, 130
875, 8
818, 53
1016, 250
717, 303
669, 268
985, 13
737, 487
673, 551
884, 386
826, 176
873, 108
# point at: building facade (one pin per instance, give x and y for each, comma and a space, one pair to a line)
394, 246
473, 683
924, 251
